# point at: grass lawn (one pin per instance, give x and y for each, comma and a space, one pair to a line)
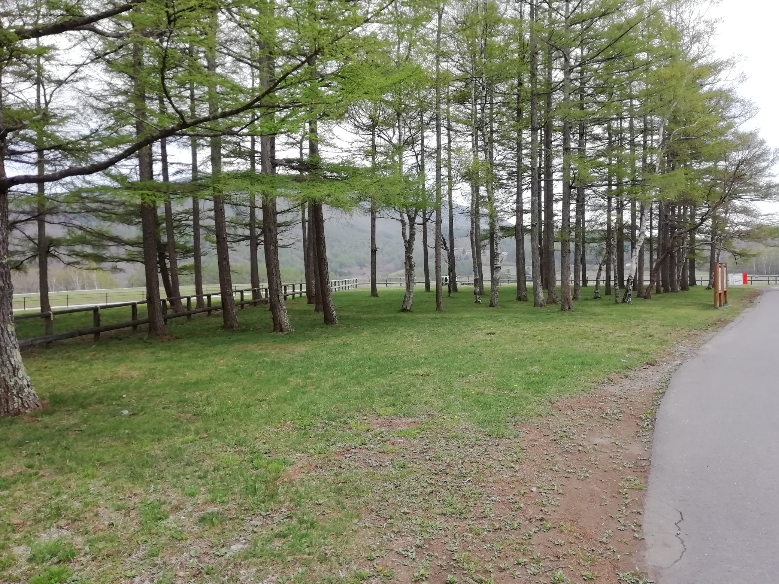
206, 479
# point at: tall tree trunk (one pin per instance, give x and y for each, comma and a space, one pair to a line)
304, 233
495, 253
616, 280
634, 257
651, 237
478, 275
549, 225
581, 228
660, 281
308, 265
684, 281
643, 210
151, 244
408, 221
313, 258
170, 233
43, 240
620, 246
254, 245
270, 236
578, 248
229, 315
374, 249
633, 233
439, 293
17, 395
712, 251
318, 217
374, 253
270, 222
425, 250
641, 266
309, 244
609, 207
175, 288
673, 256
664, 252
328, 308
566, 299
254, 238
519, 204
475, 244
633, 183
149, 219
620, 208
535, 186
596, 293
609, 245
449, 198
197, 253
425, 214
162, 260
692, 278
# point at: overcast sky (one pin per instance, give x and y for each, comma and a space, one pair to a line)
748, 29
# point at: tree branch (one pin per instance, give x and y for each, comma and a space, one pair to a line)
73, 23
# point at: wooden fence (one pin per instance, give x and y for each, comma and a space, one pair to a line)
255, 296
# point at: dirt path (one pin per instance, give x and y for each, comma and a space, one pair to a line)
561, 501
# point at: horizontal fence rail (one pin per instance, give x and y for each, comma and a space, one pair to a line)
254, 297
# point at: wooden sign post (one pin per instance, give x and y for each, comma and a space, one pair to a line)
720, 285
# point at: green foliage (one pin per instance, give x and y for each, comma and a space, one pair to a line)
211, 519
152, 513
56, 550
52, 575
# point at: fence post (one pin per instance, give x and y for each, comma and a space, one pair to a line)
208, 303
241, 299
266, 293
285, 291
134, 315
96, 322
189, 307
293, 291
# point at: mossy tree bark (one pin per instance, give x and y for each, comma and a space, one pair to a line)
17, 394
229, 315
408, 225
535, 179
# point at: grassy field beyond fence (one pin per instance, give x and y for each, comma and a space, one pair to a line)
154, 455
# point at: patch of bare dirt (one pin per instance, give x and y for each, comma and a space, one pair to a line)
389, 424
561, 501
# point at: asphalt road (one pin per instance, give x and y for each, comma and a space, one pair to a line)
712, 506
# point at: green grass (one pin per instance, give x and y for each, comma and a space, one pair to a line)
220, 422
